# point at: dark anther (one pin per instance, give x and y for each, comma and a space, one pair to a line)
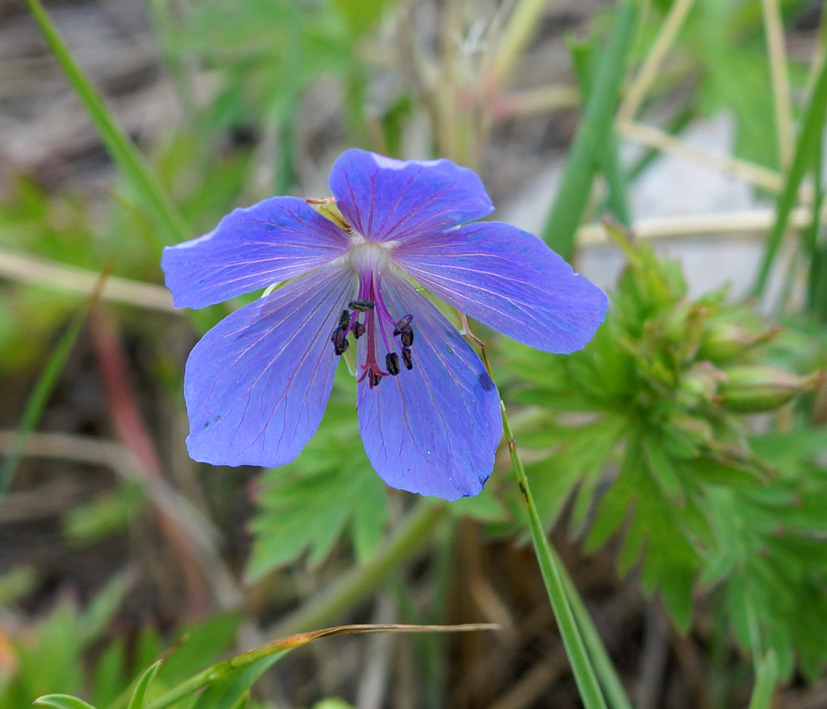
406, 337
340, 341
376, 378
404, 325
406, 357
392, 363
358, 330
344, 319
361, 305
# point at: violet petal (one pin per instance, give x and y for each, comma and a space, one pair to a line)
510, 280
274, 240
257, 384
433, 429
385, 199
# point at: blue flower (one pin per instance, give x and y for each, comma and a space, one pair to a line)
257, 384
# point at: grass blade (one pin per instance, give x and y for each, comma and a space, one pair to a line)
262, 657
575, 186
44, 387
812, 126
154, 199
585, 57
584, 673
765, 681
606, 672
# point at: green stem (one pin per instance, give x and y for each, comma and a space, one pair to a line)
610, 681
414, 531
550, 567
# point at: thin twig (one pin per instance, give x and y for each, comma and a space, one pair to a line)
774, 29
749, 224
657, 138
51, 274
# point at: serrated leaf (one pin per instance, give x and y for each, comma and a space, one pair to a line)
717, 472
62, 701
662, 468
615, 505
655, 532
578, 459
140, 695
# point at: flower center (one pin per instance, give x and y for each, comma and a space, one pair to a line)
366, 256
368, 315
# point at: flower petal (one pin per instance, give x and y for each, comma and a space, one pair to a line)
385, 199
509, 279
272, 241
434, 429
257, 384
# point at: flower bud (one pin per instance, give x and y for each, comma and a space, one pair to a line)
753, 389
699, 385
724, 341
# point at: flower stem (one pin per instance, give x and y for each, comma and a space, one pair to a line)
550, 567
609, 679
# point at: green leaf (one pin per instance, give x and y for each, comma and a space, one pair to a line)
718, 472
330, 491
62, 701
779, 571
361, 16
39, 398
229, 691
94, 619
765, 682
657, 531
199, 646
140, 696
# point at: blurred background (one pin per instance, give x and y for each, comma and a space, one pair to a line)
681, 477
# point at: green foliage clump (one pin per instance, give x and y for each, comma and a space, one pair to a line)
657, 400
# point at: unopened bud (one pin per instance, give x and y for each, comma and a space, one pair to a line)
723, 342
683, 324
699, 385
694, 430
753, 389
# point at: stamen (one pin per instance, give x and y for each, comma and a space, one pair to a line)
340, 341
377, 325
392, 363
344, 320
361, 305
404, 325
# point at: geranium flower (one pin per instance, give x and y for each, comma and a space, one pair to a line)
353, 270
